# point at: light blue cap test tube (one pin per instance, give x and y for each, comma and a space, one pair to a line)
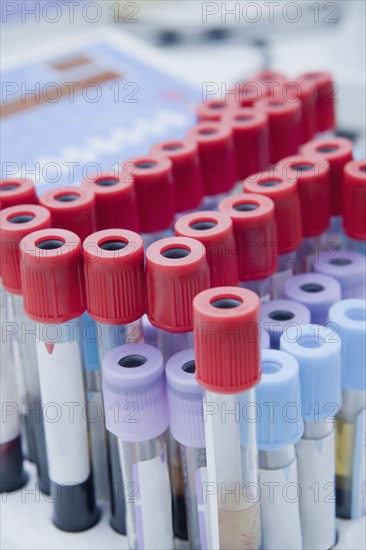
278, 396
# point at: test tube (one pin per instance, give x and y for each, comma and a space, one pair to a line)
284, 122
215, 231
354, 200
187, 177
312, 176
279, 428
301, 89
228, 367
155, 190
15, 223
284, 194
115, 293
52, 282
250, 136
72, 208
12, 473
324, 92
135, 402
217, 160
278, 316
348, 267
115, 201
349, 317
255, 234
17, 191
316, 291
337, 152
317, 350
185, 399
176, 270
213, 110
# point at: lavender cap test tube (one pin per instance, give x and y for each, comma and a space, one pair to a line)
348, 267
277, 316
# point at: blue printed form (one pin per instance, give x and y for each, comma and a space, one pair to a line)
70, 115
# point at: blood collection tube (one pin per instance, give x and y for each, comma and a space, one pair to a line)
284, 194
354, 201
250, 136
115, 292
304, 92
135, 402
176, 270
349, 316
72, 208
187, 177
284, 121
255, 233
15, 223
279, 428
212, 111
156, 198
312, 176
17, 191
278, 316
316, 291
217, 160
337, 152
323, 90
317, 350
215, 231
348, 267
185, 399
12, 473
52, 282
228, 367
115, 201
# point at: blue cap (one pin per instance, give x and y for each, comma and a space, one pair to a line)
318, 352
265, 342
278, 315
316, 291
278, 396
349, 318
89, 339
348, 267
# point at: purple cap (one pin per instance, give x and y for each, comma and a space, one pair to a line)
134, 392
348, 267
185, 398
316, 291
278, 315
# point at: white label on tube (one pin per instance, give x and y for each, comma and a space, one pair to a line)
10, 419
316, 475
63, 402
358, 504
153, 512
280, 497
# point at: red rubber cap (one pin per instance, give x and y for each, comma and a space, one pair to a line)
299, 90
215, 231
217, 157
114, 276
14, 192
155, 190
72, 208
312, 176
212, 110
284, 118
51, 267
187, 178
115, 201
176, 270
250, 135
324, 92
227, 339
354, 199
15, 223
285, 196
337, 151
255, 232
